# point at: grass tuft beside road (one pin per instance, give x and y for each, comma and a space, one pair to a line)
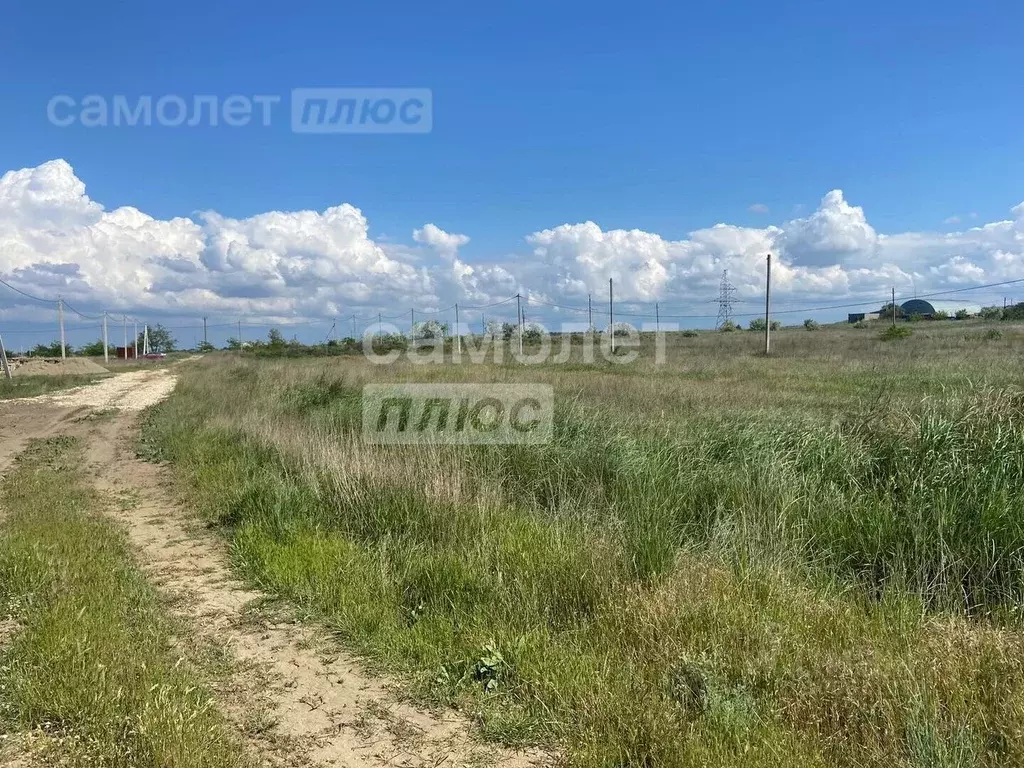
90, 664
31, 386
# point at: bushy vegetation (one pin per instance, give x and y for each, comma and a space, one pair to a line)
895, 332
95, 349
705, 566
52, 349
89, 665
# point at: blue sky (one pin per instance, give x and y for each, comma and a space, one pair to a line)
664, 118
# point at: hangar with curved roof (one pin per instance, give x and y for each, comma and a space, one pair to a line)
929, 308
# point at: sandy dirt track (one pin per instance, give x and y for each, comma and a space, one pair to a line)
294, 697
133, 391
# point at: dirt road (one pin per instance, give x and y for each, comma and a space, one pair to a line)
295, 698
127, 392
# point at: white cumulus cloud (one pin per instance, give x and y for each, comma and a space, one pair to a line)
280, 265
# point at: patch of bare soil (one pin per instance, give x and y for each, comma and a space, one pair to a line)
296, 698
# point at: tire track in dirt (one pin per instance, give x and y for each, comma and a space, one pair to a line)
293, 695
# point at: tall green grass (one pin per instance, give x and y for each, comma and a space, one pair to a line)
728, 591
90, 664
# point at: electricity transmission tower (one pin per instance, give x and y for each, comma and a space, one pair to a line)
725, 300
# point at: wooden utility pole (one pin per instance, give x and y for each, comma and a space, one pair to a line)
458, 334
412, 323
60, 317
205, 340
124, 319
590, 314
135, 340
3, 361
611, 313
657, 317
767, 307
519, 312
106, 349
894, 306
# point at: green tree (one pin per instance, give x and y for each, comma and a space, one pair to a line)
534, 333
430, 329
1014, 312
962, 314
757, 324
93, 350
992, 313
205, 346
49, 350
160, 339
940, 315
811, 325
886, 311
275, 340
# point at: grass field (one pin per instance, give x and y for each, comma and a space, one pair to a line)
87, 662
808, 559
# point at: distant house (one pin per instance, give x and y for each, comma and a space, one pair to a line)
856, 317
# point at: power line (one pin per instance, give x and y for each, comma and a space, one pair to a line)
726, 299
81, 314
26, 295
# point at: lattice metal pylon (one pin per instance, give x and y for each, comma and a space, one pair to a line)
725, 300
